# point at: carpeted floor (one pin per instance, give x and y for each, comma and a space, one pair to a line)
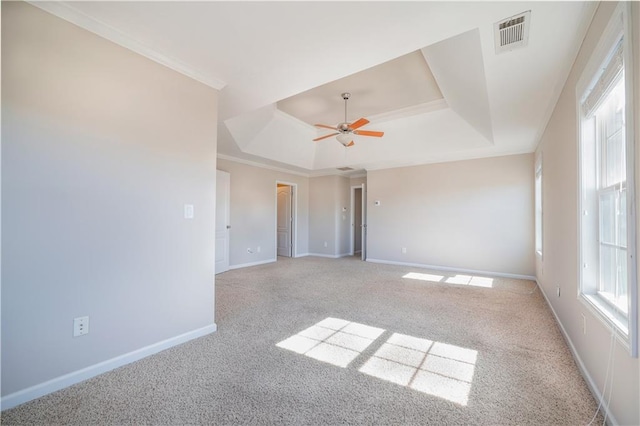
340, 341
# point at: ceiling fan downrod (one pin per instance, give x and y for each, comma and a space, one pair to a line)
344, 126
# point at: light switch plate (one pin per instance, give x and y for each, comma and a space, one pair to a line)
188, 211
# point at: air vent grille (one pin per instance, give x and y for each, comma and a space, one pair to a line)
345, 169
512, 32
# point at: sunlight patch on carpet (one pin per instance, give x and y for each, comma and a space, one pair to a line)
434, 368
332, 340
454, 279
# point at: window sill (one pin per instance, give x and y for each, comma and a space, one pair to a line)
606, 314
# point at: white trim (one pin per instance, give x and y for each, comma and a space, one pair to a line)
71, 14
86, 373
450, 269
619, 26
538, 168
424, 108
294, 216
352, 227
358, 175
261, 165
246, 265
311, 174
583, 370
632, 171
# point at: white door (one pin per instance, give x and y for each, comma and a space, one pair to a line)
364, 223
285, 219
223, 196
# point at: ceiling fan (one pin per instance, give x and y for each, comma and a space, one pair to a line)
345, 131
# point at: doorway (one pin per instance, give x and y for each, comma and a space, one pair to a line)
223, 194
285, 219
358, 221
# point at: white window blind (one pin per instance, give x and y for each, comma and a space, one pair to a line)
605, 82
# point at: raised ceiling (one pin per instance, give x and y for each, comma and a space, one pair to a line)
397, 84
425, 73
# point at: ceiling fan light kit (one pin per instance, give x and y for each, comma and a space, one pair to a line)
345, 130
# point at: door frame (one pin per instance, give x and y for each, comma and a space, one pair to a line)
352, 233
294, 217
363, 220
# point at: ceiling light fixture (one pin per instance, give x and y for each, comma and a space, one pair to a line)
344, 138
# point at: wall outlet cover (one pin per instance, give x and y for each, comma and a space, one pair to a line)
80, 326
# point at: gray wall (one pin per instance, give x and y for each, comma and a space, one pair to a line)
253, 212
475, 214
322, 212
101, 149
343, 216
559, 150
328, 223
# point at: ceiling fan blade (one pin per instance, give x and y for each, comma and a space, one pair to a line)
324, 137
350, 144
369, 133
358, 123
325, 126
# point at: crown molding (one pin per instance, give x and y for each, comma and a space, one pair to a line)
311, 174
423, 108
261, 165
69, 13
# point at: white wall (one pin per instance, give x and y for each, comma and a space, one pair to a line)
474, 215
101, 149
559, 150
253, 212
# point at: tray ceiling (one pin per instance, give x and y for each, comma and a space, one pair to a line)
425, 73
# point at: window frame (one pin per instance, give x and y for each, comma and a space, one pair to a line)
539, 208
625, 327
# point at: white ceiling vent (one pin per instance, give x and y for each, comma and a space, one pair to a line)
512, 33
345, 169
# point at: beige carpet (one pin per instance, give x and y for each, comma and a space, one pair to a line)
323, 341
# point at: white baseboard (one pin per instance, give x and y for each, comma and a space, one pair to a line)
330, 256
583, 370
78, 376
302, 254
449, 269
246, 265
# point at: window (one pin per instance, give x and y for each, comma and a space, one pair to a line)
538, 201
607, 229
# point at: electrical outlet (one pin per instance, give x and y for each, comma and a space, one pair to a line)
584, 324
258, 249
325, 244
404, 250
80, 326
